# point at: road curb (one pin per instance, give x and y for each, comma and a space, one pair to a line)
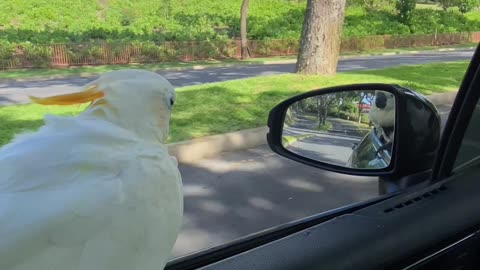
87, 75
192, 150
189, 151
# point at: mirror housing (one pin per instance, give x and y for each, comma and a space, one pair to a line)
417, 132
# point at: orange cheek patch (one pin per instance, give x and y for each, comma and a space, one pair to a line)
90, 94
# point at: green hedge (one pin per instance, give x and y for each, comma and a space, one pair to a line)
38, 21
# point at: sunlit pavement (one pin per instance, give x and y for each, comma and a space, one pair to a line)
242, 192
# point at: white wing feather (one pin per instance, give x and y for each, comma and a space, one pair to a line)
82, 194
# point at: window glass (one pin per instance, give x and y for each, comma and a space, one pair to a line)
469, 152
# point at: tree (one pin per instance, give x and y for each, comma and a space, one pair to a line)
464, 6
467, 5
445, 4
321, 37
324, 104
405, 9
243, 29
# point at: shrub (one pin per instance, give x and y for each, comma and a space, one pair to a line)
405, 9
465, 6
83, 21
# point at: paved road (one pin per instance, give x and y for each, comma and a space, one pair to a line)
242, 192
333, 146
18, 92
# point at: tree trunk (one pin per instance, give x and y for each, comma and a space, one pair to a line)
321, 37
243, 29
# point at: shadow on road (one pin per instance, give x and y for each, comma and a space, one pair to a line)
330, 149
240, 193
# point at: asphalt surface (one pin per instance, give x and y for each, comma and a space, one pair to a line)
242, 192
333, 146
18, 92
329, 148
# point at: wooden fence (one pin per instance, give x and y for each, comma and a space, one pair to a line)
102, 53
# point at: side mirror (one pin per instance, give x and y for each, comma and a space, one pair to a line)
365, 129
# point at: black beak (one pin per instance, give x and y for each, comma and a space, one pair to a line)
380, 100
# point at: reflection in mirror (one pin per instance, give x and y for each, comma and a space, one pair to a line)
353, 129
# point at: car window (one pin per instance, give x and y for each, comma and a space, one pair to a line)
469, 152
233, 185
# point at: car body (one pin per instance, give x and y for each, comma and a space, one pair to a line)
370, 153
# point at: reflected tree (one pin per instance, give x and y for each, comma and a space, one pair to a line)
325, 103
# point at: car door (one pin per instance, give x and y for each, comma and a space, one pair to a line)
433, 224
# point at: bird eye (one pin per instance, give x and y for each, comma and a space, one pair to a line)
171, 102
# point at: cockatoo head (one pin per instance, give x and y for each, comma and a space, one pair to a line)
138, 100
382, 112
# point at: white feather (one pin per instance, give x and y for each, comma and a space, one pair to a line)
384, 117
84, 193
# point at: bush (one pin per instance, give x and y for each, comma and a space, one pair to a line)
35, 21
362, 23
465, 6
405, 9
425, 21
348, 107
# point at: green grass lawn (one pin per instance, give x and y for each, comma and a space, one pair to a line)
234, 105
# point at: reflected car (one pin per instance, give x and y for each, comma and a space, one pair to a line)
371, 153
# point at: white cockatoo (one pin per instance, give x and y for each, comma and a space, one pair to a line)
97, 191
382, 114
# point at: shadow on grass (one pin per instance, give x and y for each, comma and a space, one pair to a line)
11, 127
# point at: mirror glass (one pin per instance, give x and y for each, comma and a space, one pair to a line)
353, 129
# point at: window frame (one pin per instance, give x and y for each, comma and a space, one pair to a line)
458, 121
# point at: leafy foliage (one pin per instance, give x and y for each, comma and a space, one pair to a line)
465, 6
405, 9
153, 22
